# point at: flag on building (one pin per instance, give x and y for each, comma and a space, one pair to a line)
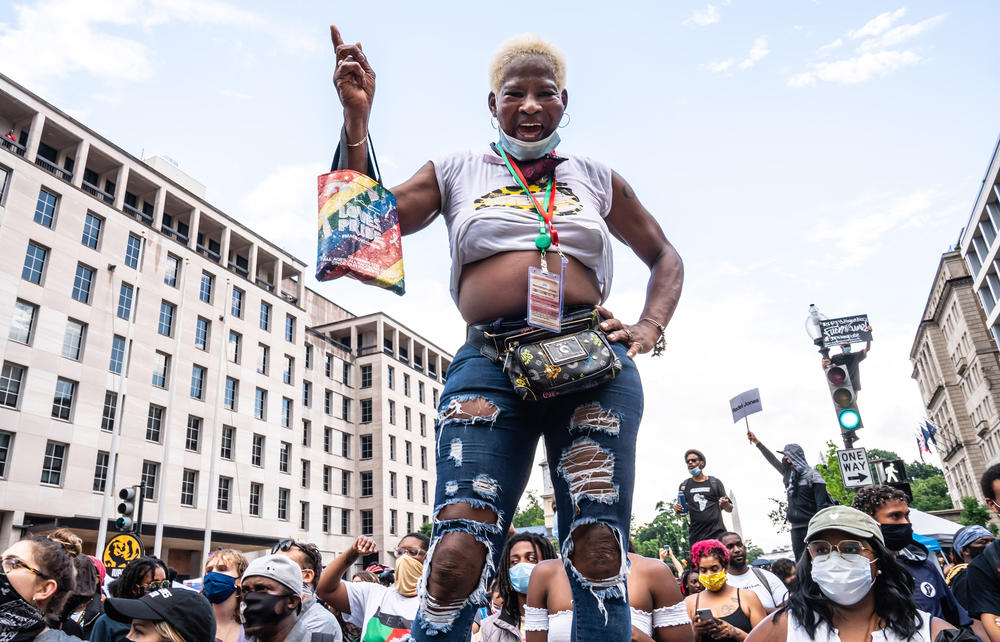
920, 451
929, 432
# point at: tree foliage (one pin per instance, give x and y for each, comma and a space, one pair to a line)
919, 470
753, 551
779, 515
532, 515
426, 529
930, 493
667, 528
973, 512
830, 470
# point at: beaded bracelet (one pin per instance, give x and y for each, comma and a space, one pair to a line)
661, 342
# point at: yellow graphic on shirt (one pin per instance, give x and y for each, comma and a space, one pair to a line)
513, 197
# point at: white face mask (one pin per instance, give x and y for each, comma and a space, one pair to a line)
844, 579
524, 150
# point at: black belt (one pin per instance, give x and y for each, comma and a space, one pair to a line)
488, 337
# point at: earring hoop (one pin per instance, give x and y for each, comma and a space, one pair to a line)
494, 122
568, 119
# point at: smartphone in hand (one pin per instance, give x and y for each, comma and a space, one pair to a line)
705, 614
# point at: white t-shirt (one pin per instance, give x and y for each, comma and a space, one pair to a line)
796, 632
769, 598
380, 611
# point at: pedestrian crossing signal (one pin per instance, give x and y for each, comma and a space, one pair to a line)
844, 398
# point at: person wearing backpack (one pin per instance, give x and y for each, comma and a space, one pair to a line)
766, 585
804, 486
704, 498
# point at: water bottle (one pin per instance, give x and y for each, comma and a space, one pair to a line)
683, 502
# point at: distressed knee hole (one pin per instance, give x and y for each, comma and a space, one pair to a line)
485, 486
592, 418
471, 410
596, 553
457, 566
463, 510
455, 452
589, 471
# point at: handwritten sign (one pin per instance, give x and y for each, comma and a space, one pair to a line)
845, 330
745, 404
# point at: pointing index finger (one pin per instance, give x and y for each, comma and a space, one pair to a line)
335, 36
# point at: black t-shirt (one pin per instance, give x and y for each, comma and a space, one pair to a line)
703, 508
851, 361
985, 580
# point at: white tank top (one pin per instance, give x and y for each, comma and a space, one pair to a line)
824, 634
487, 212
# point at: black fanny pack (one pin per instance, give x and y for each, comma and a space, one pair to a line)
543, 364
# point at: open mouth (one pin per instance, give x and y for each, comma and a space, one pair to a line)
529, 131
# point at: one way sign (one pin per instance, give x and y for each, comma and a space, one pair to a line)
854, 467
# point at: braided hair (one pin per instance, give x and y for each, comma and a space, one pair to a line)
543, 551
129, 583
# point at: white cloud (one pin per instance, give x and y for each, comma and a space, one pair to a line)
856, 70
900, 34
878, 24
826, 49
758, 51
703, 17
719, 67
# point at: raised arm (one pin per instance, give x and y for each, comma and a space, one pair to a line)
633, 225
768, 455
417, 199
330, 587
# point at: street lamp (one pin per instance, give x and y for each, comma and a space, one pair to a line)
814, 331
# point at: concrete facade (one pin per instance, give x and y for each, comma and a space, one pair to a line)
129, 304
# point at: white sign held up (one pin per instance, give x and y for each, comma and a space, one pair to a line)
854, 467
745, 404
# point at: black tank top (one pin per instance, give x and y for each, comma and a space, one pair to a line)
737, 618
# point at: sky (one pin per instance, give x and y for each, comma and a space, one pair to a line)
794, 152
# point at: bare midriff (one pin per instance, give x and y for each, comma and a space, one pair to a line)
497, 286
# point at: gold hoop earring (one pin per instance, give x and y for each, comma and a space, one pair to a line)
494, 122
568, 119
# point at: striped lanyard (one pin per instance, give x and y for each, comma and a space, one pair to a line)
547, 235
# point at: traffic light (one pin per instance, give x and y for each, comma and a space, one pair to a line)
844, 398
126, 510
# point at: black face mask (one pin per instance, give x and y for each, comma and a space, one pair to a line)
18, 619
975, 551
897, 536
258, 609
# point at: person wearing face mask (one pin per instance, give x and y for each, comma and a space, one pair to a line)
220, 585
272, 602
970, 542
734, 611
704, 500
37, 576
315, 616
805, 488
382, 612
851, 587
165, 615
521, 554
890, 508
141, 576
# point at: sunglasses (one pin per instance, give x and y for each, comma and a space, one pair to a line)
284, 545
821, 547
152, 587
10, 562
691, 461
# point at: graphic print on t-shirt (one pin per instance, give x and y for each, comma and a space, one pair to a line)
513, 197
700, 499
382, 627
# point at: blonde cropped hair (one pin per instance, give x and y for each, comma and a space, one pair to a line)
166, 632
525, 46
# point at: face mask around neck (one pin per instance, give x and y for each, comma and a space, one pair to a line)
525, 150
695, 471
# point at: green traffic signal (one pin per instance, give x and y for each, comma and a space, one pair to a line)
849, 419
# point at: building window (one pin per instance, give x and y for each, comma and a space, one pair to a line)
367, 522
327, 478
309, 356
149, 479
327, 510
366, 411
328, 401
189, 487
166, 324
73, 339
284, 457
306, 433
52, 465
62, 401
263, 357
406, 384
406, 419
367, 485
420, 391
409, 522
288, 373
265, 316
345, 483
110, 408
366, 376
304, 516
305, 473
197, 382
23, 322
202, 328
172, 271
11, 378
45, 208
286, 412
257, 451
235, 346
408, 450
255, 493
434, 393
226, 446
390, 378
392, 447
34, 263
423, 425
82, 283
345, 409
346, 374
154, 423
423, 457
125, 301
100, 471
328, 366
192, 440
91, 231
283, 504
225, 492
345, 445
423, 491
392, 521
132, 249
117, 360
328, 440
392, 484
232, 394
237, 304
345, 521
161, 363
409, 488
392, 412
206, 287
260, 404
366, 447
306, 394
289, 328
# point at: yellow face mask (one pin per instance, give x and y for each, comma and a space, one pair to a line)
713, 581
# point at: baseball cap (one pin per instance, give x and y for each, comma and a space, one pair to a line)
279, 568
186, 611
844, 518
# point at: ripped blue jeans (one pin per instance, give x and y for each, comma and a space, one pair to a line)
486, 438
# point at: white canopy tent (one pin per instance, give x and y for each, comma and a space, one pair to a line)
941, 529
